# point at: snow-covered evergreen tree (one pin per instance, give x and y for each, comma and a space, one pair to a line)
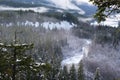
72, 73
81, 72
97, 75
15, 63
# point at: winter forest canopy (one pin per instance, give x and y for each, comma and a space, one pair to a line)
47, 40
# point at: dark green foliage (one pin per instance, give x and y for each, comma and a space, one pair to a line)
99, 34
119, 24
105, 8
81, 72
15, 62
46, 50
72, 73
18, 64
84, 30
97, 75
116, 37
64, 74
63, 16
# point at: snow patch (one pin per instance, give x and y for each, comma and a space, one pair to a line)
84, 1
66, 4
62, 24
75, 50
35, 9
18, 60
59, 25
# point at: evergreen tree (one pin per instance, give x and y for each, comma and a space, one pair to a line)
16, 63
97, 75
64, 74
72, 73
80, 71
4, 56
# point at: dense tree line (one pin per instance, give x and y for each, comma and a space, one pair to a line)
43, 61
101, 34
21, 60
16, 64
20, 17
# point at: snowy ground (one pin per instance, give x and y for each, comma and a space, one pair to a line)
59, 25
75, 50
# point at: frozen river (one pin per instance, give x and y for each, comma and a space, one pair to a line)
75, 50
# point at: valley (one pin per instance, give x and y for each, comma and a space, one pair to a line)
51, 40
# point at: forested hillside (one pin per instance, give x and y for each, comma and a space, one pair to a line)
56, 45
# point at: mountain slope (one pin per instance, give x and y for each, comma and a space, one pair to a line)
72, 6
